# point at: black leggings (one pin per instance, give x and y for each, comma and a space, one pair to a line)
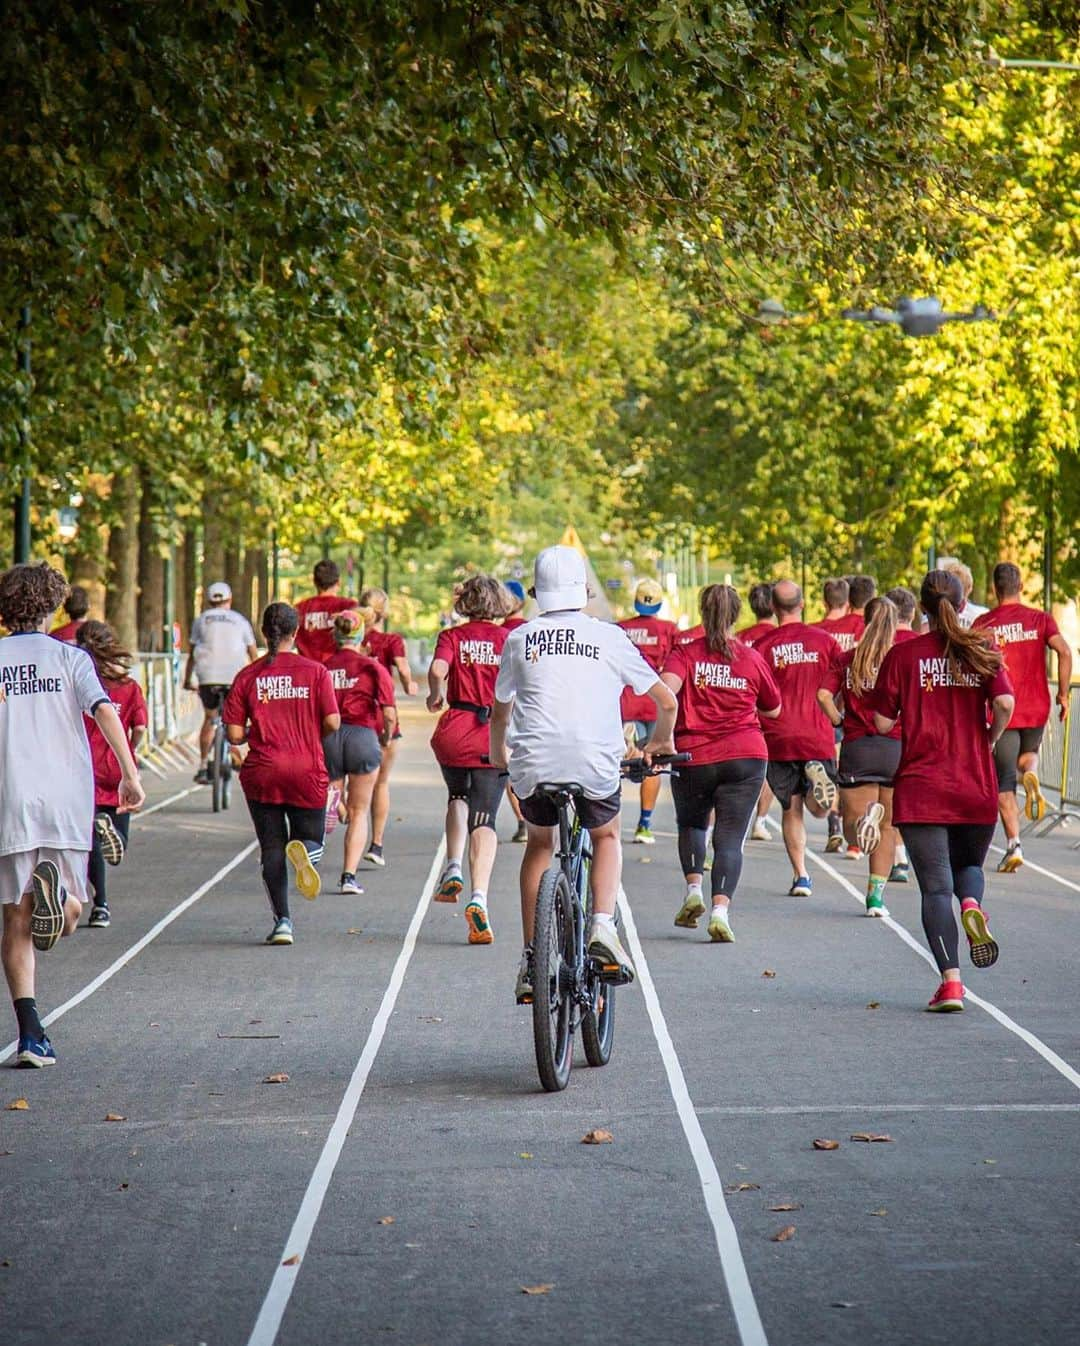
948, 860
730, 789
95, 867
481, 787
275, 826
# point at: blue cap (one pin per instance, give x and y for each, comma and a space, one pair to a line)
517, 589
647, 609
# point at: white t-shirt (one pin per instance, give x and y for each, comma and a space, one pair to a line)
46, 775
969, 612
565, 672
220, 639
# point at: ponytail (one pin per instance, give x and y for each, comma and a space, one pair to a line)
941, 596
111, 660
279, 622
874, 644
720, 607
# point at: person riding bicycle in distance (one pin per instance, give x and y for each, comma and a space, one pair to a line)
222, 643
556, 719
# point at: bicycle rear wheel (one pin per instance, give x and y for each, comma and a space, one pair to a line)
217, 775
553, 955
598, 1027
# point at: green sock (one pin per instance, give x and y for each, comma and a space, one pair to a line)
875, 886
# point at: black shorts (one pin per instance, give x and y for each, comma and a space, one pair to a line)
1007, 752
540, 810
869, 760
481, 787
788, 779
213, 694
352, 750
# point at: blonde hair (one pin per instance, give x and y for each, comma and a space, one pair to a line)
720, 606
376, 600
350, 625
482, 598
874, 644
952, 565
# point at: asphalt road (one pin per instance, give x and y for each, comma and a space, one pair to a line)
421, 1178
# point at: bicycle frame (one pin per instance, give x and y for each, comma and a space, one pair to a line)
574, 855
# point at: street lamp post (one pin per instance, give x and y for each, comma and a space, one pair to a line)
21, 539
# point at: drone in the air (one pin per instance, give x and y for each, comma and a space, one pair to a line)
917, 317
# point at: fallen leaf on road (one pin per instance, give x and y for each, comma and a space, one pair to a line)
743, 1187
155, 1025
524, 1155
871, 1136
115, 1117
429, 1018
537, 1289
989, 1161
386, 1219
782, 1235
597, 1136
279, 1078
20, 1105
874, 1004
826, 1144
882, 1211
842, 1304
768, 972
787, 1205
293, 1261
356, 930
123, 1187
645, 860
5, 1263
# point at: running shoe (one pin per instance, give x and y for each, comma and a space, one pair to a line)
35, 1052
450, 886
109, 839
868, 828
759, 832
948, 998
981, 943
349, 884
853, 853
1034, 801
606, 947
282, 931
202, 776
375, 855
644, 837
333, 800
1013, 858
720, 931
521, 833
875, 905
47, 913
307, 876
802, 887
822, 786
835, 843
480, 931
99, 918
523, 987
898, 873
694, 906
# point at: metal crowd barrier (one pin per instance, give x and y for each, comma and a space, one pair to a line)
1059, 765
174, 714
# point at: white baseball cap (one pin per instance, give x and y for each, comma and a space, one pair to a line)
218, 592
559, 579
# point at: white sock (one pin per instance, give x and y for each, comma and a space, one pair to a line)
901, 855
720, 909
477, 898
693, 889
453, 867
603, 919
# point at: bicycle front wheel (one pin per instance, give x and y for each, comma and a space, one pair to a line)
217, 775
553, 960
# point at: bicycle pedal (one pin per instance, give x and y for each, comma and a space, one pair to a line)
613, 974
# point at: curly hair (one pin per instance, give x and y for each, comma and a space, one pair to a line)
29, 594
111, 660
482, 598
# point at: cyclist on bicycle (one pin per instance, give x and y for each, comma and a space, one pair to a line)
556, 719
222, 642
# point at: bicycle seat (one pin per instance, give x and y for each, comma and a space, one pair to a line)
570, 788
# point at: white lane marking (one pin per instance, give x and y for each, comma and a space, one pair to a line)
140, 944
1036, 1044
862, 1109
740, 1293
1049, 873
164, 803
291, 1260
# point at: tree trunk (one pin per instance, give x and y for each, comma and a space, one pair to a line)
234, 575
150, 610
120, 596
187, 556
263, 565
247, 600
213, 558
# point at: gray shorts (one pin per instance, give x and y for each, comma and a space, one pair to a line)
352, 750
1008, 750
869, 760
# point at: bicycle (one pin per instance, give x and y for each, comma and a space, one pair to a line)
571, 989
221, 767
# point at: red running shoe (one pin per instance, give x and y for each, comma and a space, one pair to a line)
982, 944
948, 998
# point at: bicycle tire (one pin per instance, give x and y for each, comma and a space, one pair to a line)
216, 778
598, 1030
553, 935
226, 786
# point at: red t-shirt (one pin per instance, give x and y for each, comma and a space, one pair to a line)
509, 623
858, 714
844, 630
719, 701
362, 687
1024, 634
283, 703
472, 652
946, 772
315, 638
690, 634
799, 658
385, 646
66, 633
905, 633
752, 634
130, 704
653, 637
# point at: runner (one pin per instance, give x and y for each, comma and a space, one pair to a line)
462, 679
365, 699
760, 599
222, 642
76, 605
283, 706
969, 611
868, 760
861, 588
1024, 634
557, 693
315, 638
389, 649
723, 686
801, 746
905, 603
110, 841
518, 596
946, 686
47, 801
654, 638
845, 625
